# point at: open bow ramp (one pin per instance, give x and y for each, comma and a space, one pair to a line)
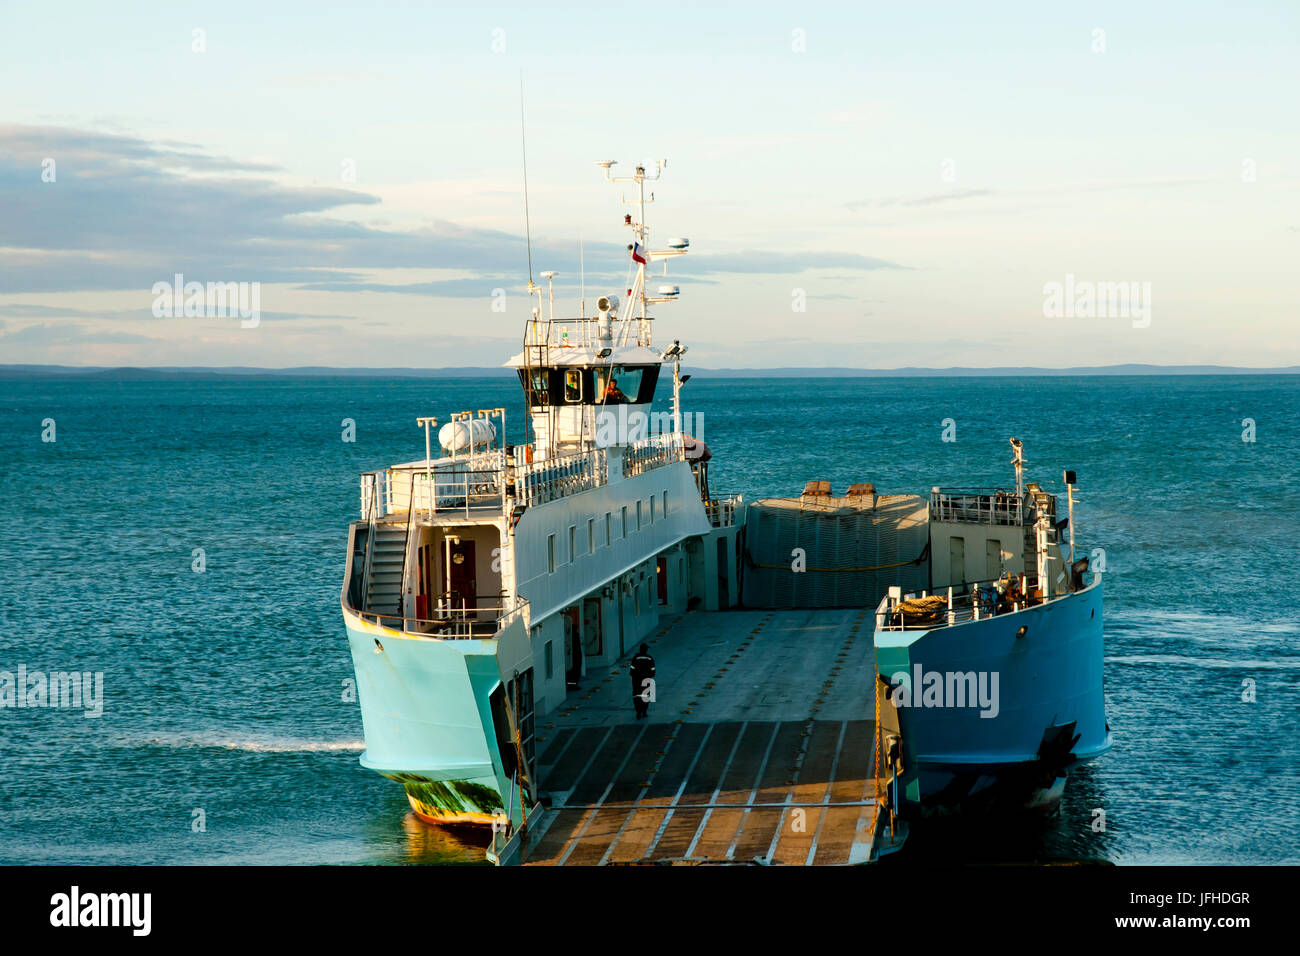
760, 748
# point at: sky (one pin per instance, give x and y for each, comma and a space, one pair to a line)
863, 184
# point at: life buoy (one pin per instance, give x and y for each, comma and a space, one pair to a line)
528, 454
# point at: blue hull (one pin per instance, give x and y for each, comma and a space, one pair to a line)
1037, 707
426, 712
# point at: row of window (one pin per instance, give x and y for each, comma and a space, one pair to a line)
616, 385
652, 504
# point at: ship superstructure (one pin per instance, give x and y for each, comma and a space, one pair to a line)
485, 582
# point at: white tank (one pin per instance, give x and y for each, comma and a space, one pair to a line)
460, 436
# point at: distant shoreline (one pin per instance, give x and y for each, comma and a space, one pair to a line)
238, 373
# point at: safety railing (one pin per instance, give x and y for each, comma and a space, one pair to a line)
451, 623
542, 481
975, 601
977, 506
483, 482
721, 510
572, 333
467, 484
653, 452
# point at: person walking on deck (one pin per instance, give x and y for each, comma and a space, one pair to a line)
643, 672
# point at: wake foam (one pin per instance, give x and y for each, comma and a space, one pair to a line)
256, 743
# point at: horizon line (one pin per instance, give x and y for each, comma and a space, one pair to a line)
480, 371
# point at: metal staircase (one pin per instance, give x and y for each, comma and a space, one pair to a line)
387, 563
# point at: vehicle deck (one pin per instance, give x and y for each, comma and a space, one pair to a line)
759, 748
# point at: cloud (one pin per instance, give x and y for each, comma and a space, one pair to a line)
929, 199
783, 263
957, 195
123, 213
26, 310
68, 333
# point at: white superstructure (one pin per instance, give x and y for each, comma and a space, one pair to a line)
564, 551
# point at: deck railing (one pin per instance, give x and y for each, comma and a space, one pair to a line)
653, 452
722, 510
543, 481
977, 506
468, 483
968, 602
484, 482
456, 624
572, 333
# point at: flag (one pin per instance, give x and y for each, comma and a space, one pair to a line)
638, 253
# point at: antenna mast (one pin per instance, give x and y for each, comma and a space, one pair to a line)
523, 141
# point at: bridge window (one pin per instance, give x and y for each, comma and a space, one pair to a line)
618, 384
573, 385
600, 385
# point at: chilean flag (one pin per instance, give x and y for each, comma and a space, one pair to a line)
638, 253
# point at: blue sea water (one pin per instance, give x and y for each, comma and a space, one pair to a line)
223, 689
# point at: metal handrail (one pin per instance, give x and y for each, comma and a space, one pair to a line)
653, 452
543, 333
552, 478
474, 486
721, 509
962, 606
370, 538
471, 487
461, 625
992, 506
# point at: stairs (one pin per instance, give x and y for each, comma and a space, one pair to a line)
387, 562
1030, 553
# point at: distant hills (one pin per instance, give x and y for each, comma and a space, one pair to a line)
171, 373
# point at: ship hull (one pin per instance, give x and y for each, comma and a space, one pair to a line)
427, 716
991, 717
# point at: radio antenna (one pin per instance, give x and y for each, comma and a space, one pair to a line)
523, 140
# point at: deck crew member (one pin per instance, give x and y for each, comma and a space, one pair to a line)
612, 392
643, 672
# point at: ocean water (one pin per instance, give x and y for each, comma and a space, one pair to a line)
225, 737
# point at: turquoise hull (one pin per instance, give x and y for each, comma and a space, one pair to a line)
1038, 710
427, 716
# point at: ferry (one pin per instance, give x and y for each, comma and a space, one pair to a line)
997, 668
486, 582
496, 592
